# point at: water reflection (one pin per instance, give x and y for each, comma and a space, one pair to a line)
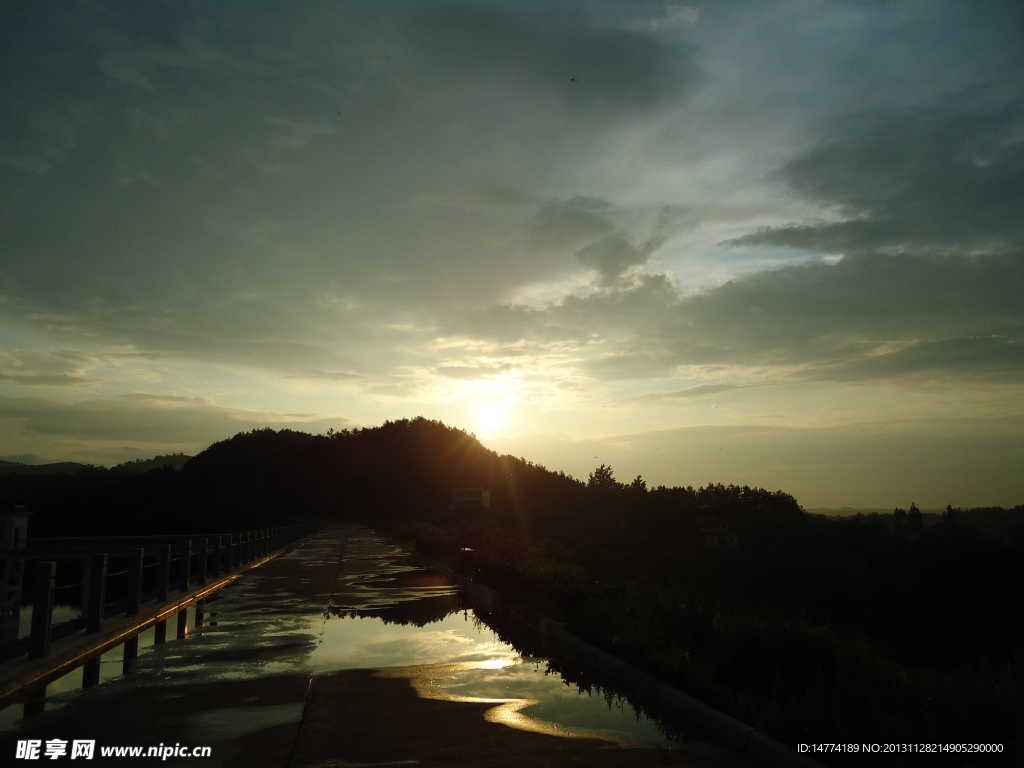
345, 601
367, 642
449, 653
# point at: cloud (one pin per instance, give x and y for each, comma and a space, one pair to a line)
570, 223
472, 372
579, 63
586, 226
677, 15
697, 391
55, 368
227, 154
135, 422
917, 179
991, 358
613, 254
865, 317
370, 203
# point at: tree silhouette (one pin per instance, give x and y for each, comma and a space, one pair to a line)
603, 479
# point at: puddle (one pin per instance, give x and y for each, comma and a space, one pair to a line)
304, 613
353, 642
529, 698
449, 653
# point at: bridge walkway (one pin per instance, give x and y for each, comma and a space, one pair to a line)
254, 683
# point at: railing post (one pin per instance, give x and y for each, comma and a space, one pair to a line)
35, 704
186, 566
131, 652
250, 553
217, 546
160, 632
182, 623
233, 552
263, 542
202, 560
91, 672
163, 574
42, 609
96, 609
135, 566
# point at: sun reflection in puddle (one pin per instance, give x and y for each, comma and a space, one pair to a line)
551, 712
458, 658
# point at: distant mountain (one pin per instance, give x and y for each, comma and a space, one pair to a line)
848, 511
990, 520
17, 468
173, 461
993, 520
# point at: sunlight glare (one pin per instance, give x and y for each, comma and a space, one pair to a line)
490, 415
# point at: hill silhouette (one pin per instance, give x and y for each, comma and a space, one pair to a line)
786, 619
168, 461
18, 468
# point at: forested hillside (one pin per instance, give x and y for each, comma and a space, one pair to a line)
874, 627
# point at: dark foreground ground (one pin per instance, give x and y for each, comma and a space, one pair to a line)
251, 687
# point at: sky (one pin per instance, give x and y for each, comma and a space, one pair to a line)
774, 243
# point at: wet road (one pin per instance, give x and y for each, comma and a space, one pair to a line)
343, 653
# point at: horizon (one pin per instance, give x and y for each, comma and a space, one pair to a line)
770, 244
835, 510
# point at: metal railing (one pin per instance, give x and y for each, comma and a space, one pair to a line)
152, 569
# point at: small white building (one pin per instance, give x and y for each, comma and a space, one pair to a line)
14, 528
13, 539
470, 498
715, 532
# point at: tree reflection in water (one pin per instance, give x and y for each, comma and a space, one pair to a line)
528, 644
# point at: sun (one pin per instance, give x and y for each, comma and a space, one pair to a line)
490, 416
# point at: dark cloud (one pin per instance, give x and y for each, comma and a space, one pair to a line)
570, 223
613, 254
938, 179
585, 225
987, 358
558, 52
167, 161
868, 317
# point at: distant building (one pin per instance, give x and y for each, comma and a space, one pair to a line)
14, 528
470, 498
715, 532
13, 538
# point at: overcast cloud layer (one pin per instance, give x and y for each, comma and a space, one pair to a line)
616, 223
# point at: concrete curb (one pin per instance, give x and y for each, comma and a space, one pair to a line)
744, 738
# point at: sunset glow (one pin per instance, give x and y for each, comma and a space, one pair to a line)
765, 242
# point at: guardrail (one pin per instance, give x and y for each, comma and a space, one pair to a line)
173, 572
